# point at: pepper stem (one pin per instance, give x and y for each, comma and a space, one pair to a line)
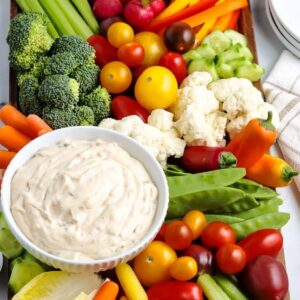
288, 173
227, 160
268, 122
145, 2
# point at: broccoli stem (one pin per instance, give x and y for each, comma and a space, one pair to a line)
57, 17
86, 11
76, 21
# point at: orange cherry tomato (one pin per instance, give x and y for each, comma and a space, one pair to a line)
184, 268
196, 221
152, 265
120, 33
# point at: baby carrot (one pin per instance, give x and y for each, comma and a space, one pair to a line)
108, 291
12, 139
12, 117
37, 125
5, 158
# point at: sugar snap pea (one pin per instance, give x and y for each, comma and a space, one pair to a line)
209, 199
222, 218
273, 220
264, 193
188, 184
265, 207
174, 170
245, 203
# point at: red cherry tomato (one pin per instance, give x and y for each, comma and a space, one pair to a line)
175, 63
132, 54
105, 52
231, 258
217, 234
123, 106
178, 235
262, 242
161, 234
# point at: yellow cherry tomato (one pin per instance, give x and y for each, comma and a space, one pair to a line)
153, 45
156, 88
116, 77
152, 265
120, 33
184, 268
196, 221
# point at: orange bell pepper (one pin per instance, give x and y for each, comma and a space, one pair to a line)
271, 171
233, 24
223, 22
253, 141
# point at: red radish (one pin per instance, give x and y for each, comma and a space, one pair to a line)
104, 9
139, 13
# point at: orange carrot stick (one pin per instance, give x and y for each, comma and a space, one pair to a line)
234, 20
12, 117
5, 158
12, 139
108, 291
223, 22
37, 125
215, 12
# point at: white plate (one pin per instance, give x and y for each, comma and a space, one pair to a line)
288, 13
286, 34
280, 36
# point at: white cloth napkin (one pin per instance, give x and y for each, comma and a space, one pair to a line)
282, 89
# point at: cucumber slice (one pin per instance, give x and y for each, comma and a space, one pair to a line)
225, 70
236, 37
9, 246
252, 72
203, 65
242, 61
204, 51
235, 52
218, 41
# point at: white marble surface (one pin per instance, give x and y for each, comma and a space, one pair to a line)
269, 49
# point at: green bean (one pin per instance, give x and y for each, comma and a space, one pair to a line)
222, 218
273, 220
188, 184
245, 203
204, 200
229, 287
265, 207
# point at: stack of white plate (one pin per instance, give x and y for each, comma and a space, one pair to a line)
284, 17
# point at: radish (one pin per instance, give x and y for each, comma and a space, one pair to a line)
104, 9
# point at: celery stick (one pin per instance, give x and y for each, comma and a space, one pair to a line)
76, 21
23, 5
86, 12
57, 17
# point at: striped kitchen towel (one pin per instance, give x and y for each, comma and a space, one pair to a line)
282, 89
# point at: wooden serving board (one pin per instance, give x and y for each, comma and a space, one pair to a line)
245, 26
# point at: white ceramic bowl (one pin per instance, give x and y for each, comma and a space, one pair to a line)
86, 133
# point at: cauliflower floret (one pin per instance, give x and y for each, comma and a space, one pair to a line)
162, 120
217, 121
127, 124
108, 123
174, 146
200, 95
196, 79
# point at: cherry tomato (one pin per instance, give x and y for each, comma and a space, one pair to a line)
216, 234
196, 221
152, 265
176, 63
161, 234
132, 54
105, 52
124, 106
120, 33
262, 242
178, 235
231, 258
153, 45
105, 24
115, 77
156, 88
184, 268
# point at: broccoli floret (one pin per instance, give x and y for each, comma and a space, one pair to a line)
61, 63
99, 101
88, 77
59, 91
85, 116
83, 52
28, 97
37, 71
59, 118
28, 40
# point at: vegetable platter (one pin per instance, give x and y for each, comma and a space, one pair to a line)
191, 66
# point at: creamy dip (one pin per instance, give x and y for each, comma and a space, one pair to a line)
83, 199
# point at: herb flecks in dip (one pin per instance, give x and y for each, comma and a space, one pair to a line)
83, 199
